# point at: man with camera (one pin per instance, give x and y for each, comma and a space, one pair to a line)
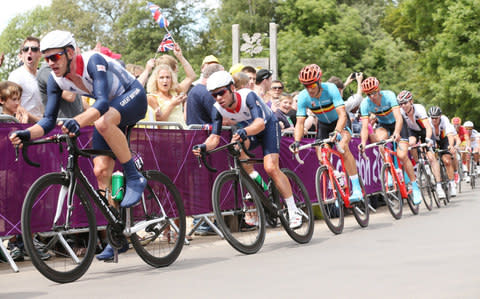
325, 101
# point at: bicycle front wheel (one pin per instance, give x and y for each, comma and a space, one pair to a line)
302, 234
239, 212
445, 183
331, 203
391, 192
60, 242
159, 244
424, 183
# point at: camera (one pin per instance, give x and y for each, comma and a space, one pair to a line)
353, 75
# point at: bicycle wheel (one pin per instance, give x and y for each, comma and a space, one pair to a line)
159, 244
424, 183
391, 192
473, 172
331, 203
413, 207
302, 234
361, 209
45, 228
445, 183
460, 173
238, 211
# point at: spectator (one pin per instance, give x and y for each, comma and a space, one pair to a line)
236, 68
241, 80
199, 100
276, 92
71, 104
263, 81
210, 59
252, 74
284, 107
10, 94
25, 76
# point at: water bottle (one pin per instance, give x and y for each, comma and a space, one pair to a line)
340, 177
258, 178
399, 174
117, 185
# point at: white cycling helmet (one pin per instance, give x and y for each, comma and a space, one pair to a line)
57, 39
219, 79
468, 124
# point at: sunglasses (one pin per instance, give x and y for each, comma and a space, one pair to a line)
221, 92
277, 87
404, 103
313, 85
436, 117
372, 93
54, 57
34, 49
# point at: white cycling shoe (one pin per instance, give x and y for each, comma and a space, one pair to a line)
440, 192
295, 219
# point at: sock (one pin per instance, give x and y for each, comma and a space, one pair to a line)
290, 205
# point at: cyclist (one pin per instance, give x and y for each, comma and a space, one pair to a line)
472, 136
120, 101
444, 136
258, 126
419, 130
461, 142
384, 105
325, 101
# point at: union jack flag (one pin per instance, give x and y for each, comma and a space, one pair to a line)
166, 44
157, 15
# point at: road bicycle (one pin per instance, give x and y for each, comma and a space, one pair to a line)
394, 188
444, 179
235, 195
472, 170
425, 178
333, 189
156, 226
461, 176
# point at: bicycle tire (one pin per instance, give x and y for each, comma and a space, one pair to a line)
304, 233
160, 244
330, 201
413, 207
39, 235
391, 194
361, 209
473, 172
445, 183
460, 173
230, 198
424, 183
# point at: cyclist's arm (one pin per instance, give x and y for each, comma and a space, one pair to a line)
428, 128
342, 119
364, 131
398, 120
299, 128
212, 141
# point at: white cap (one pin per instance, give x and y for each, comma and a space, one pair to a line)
219, 79
57, 39
468, 124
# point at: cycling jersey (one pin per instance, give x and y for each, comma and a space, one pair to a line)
444, 128
419, 115
250, 107
106, 81
384, 111
324, 106
462, 132
473, 135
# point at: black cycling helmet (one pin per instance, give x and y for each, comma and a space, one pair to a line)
434, 111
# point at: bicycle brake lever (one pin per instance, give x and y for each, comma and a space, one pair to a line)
17, 152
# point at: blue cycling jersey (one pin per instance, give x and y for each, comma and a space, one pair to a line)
384, 111
324, 106
105, 80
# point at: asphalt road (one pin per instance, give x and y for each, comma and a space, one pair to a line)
432, 255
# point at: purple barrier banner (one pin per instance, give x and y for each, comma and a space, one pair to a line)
166, 150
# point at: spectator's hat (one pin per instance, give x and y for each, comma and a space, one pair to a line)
210, 59
262, 75
236, 68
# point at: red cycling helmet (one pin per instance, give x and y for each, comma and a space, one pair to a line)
370, 84
310, 74
404, 96
456, 120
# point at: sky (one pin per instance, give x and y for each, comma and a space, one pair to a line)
7, 12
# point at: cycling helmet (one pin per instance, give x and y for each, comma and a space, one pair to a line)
310, 74
456, 120
435, 111
219, 79
404, 96
370, 84
468, 124
57, 39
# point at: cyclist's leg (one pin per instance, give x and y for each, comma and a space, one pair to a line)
436, 173
402, 152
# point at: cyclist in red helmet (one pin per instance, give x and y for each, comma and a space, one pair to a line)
462, 142
325, 101
383, 103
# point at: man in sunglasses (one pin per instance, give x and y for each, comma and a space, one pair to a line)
390, 123
258, 126
444, 135
325, 101
120, 102
26, 77
419, 130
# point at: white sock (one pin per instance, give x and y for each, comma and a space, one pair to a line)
290, 205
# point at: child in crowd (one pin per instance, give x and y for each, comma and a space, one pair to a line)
10, 95
285, 105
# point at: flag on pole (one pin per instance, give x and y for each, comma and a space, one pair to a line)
166, 44
157, 15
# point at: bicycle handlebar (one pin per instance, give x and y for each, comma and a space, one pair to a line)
318, 142
233, 148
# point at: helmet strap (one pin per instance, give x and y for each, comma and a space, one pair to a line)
69, 61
